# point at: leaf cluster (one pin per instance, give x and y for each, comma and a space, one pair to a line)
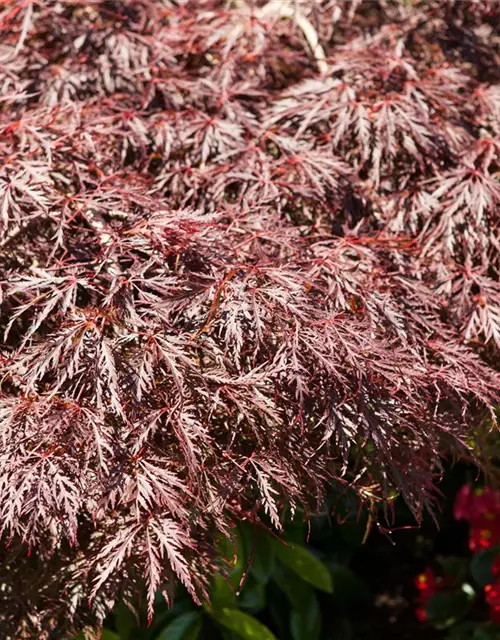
246, 250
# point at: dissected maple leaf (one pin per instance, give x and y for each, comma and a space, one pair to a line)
247, 251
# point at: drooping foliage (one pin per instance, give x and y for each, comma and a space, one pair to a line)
246, 249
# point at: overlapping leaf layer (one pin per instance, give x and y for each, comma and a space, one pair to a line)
246, 249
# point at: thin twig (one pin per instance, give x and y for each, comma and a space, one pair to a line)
284, 9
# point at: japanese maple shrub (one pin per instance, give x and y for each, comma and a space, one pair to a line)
246, 249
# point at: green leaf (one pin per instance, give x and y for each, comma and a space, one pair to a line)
306, 623
253, 596
480, 566
299, 593
243, 624
487, 631
187, 626
446, 609
182, 603
278, 606
456, 568
234, 553
349, 590
305, 618
463, 631
125, 622
222, 593
354, 532
305, 565
296, 528
227, 582
258, 547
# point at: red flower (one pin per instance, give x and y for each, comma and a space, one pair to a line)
481, 508
484, 533
495, 567
492, 595
428, 584
475, 504
495, 614
421, 614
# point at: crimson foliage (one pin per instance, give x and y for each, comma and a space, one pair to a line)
247, 249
